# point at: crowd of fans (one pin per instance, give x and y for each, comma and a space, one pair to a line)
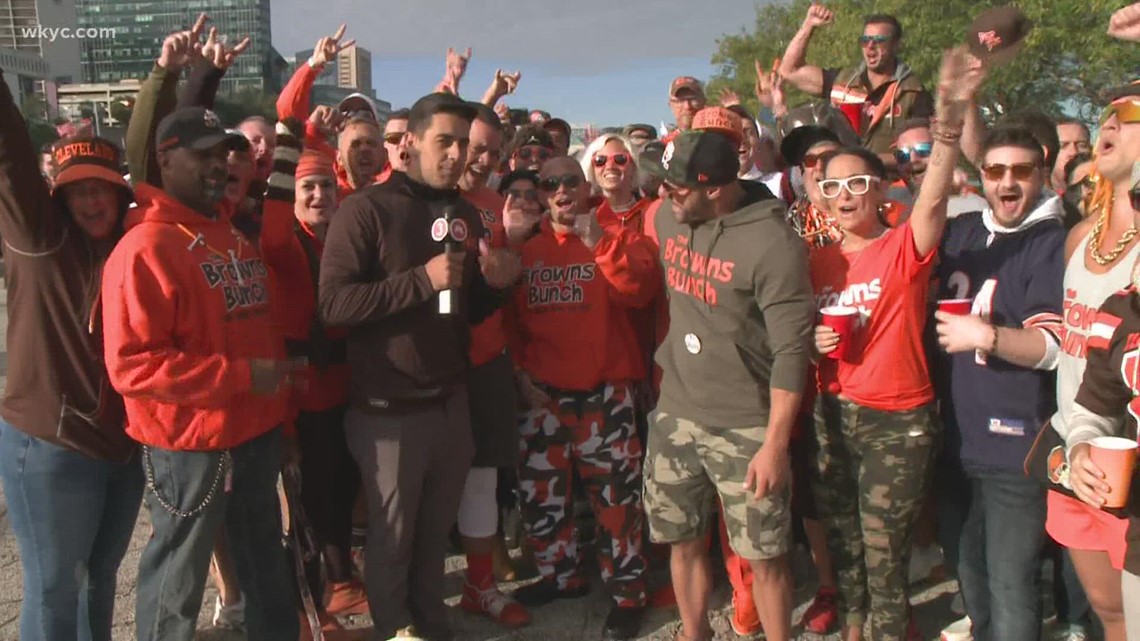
325, 350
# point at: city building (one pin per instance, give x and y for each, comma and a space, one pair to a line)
350, 73
328, 76
39, 46
131, 35
354, 69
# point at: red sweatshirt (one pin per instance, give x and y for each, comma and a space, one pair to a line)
489, 338
295, 303
570, 320
182, 316
644, 320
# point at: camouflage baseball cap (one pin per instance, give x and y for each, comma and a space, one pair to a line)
695, 159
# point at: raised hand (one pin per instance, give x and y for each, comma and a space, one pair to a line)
182, 47
456, 68
960, 79
500, 267
217, 53
728, 98
326, 118
818, 16
1125, 23
769, 87
506, 83
329, 46
503, 111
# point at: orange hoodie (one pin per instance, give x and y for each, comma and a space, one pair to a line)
570, 318
488, 339
185, 307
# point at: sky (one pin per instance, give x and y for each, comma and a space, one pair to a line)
605, 62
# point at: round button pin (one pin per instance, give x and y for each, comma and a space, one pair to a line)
692, 343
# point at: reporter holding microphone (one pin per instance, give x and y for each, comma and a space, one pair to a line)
385, 275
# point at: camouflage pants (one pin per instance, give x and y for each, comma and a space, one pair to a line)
689, 465
870, 477
594, 434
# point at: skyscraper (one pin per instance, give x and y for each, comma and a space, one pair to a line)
141, 26
43, 28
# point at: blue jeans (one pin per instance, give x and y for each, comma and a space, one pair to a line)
73, 517
999, 556
193, 495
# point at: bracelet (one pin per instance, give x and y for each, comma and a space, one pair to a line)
994, 344
946, 134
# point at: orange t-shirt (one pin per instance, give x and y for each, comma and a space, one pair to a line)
488, 339
885, 366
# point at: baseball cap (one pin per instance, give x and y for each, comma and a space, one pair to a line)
995, 34
86, 157
694, 159
720, 120
357, 103
196, 128
686, 82
1129, 90
638, 126
533, 134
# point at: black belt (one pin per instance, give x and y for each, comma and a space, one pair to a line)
336, 354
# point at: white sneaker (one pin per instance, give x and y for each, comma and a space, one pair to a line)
923, 562
960, 630
1072, 633
229, 617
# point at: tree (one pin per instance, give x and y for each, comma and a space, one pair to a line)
1067, 63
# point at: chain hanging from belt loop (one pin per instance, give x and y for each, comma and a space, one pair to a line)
225, 464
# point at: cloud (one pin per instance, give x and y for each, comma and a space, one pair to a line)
569, 38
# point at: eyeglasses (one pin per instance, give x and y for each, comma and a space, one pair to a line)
523, 194
601, 160
394, 138
526, 153
1020, 171
903, 155
569, 181
855, 185
693, 101
878, 39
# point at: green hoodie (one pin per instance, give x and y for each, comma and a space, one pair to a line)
740, 311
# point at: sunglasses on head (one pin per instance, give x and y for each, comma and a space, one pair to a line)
855, 185
523, 194
1127, 111
600, 160
904, 154
1020, 171
876, 39
526, 153
569, 181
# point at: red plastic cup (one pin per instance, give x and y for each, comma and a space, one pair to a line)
956, 306
854, 113
842, 320
1116, 457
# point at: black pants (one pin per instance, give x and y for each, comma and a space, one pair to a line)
329, 483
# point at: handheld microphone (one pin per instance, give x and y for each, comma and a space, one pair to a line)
451, 230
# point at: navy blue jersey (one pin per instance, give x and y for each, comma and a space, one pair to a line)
993, 409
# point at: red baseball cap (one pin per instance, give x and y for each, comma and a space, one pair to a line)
686, 82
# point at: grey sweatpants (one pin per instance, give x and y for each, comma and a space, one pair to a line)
1130, 583
412, 470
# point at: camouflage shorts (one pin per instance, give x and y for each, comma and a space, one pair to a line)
688, 465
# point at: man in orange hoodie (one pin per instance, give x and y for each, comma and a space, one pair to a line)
191, 346
577, 354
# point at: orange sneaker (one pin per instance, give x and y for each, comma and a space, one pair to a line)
495, 605
347, 598
822, 615
745, 618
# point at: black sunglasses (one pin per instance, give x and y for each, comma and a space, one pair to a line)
569, 181
394, 138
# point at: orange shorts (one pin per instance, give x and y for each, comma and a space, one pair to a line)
1079, 526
